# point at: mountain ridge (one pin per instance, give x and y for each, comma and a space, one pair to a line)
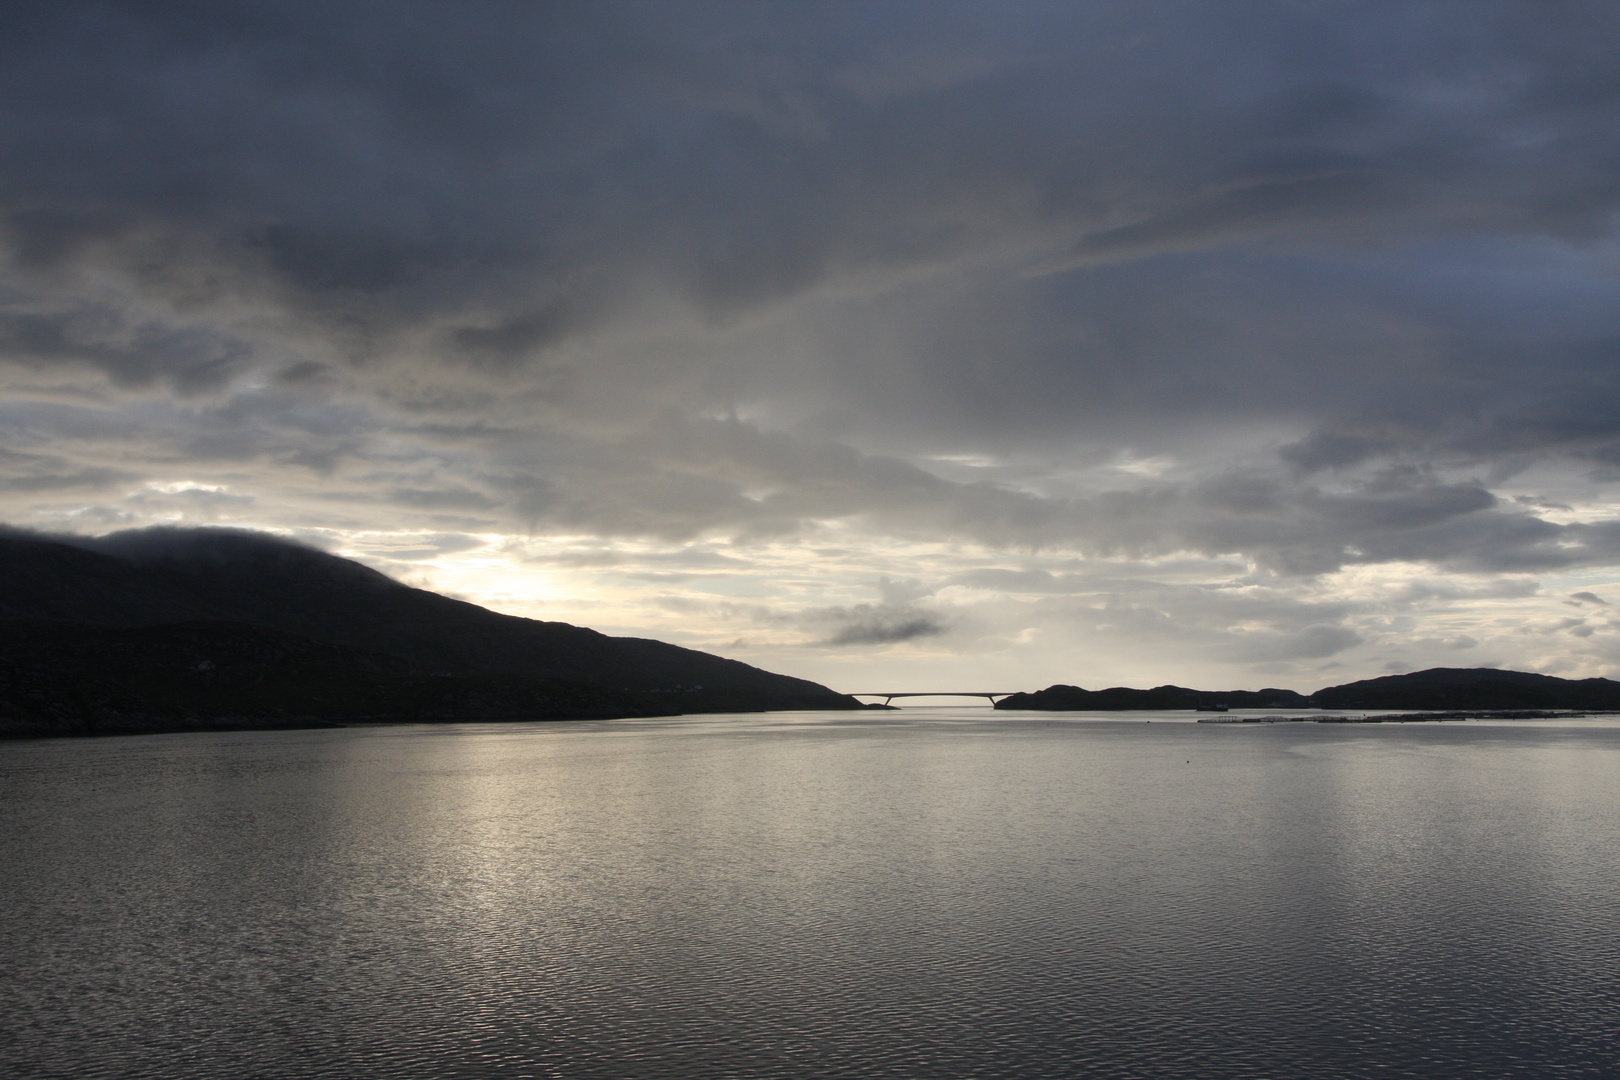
293, 601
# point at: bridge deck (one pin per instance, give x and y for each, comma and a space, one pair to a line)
991, 694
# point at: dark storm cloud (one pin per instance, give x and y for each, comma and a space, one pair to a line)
834, 627
683, 478
48, 472
873, 624
378, 164
1327, 450
511, 260
131, 354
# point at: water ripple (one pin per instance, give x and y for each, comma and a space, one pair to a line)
937, 895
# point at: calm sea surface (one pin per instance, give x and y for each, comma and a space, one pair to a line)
934, 893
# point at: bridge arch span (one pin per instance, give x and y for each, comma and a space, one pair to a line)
990, 695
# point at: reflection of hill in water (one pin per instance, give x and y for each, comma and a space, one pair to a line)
171, 629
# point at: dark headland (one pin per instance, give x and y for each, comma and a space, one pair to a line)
172, 630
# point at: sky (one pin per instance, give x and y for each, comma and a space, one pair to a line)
900, 346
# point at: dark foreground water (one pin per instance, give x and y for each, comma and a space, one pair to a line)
941, 893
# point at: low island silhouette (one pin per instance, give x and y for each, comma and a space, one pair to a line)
1442, 689
205, 629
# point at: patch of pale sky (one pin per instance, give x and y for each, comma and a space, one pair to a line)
1405, 614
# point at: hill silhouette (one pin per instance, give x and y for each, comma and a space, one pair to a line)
1434, 689
1471, 688
174, 628
1062, 698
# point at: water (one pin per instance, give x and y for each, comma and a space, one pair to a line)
948, 893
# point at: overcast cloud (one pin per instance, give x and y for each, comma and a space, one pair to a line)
1241, 343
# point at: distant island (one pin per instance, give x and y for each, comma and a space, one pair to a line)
1061, 698
191, 629
1441, 689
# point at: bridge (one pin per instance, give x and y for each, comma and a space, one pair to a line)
942, 693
